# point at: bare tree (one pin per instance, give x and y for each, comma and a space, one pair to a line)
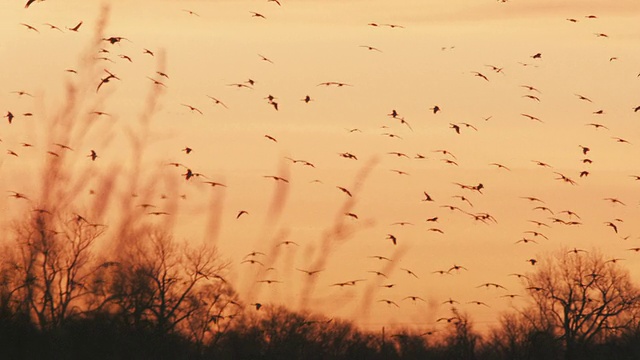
161, 284
214, 312
52, 267
581, 297
461, 340
514, 338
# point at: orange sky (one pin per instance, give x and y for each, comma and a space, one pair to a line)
431, 61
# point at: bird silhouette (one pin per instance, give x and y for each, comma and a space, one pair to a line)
392, 238
252, 261
531, 117
583, 97
370, 48
379, 257
612, 225
334, 83
457, 268
156, 82
192, 108
450, 302
9, 116
414, 298
309, 272
214, 184
106, 79
576, 251
476, 302
409, 272
288, 242
536, 234
530, 88
378, 273
480, 75
217, 102
448, 319
75, 28
30, 27
389, 302
277, 178
29, 2
17, 195
190, 12
526, 241
269, 281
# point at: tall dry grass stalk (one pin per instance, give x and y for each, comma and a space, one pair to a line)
110, 190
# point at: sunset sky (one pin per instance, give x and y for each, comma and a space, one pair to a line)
524, 81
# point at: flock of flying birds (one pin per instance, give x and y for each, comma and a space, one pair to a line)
461, 204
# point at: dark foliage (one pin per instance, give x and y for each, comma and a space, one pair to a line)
156, 299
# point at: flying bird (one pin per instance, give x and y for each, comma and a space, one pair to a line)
536, 234
309, 272
389, 302
252, 261
585, 149
583, 98
370, 48
17, 195
106, 79
214, 184
500, 166
217, 102
29, 2
426, 197
277, 178
612, 225
414, 298
392, 238
75, 28
531, 117
409, 272
190, 12
192, 108
334, 83
9, 116
597, 126
530, 88
344, 190
478, 303
29, 27
479, 75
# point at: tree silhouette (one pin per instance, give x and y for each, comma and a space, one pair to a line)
461, 340
164, 286
581, 298
515, 338
52, 267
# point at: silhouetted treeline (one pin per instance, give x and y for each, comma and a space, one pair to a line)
157, 299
